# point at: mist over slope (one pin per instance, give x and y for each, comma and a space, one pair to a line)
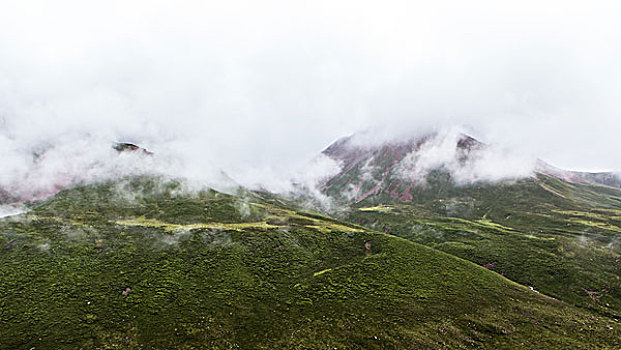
37, 166
369, 163
398, 166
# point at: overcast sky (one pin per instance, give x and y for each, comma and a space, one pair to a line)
269, 84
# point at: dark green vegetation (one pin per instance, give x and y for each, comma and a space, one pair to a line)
560, 238
143, 264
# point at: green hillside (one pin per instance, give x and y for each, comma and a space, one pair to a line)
144, 264
560, 238
558, 232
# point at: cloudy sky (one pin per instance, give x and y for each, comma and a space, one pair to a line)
268, 84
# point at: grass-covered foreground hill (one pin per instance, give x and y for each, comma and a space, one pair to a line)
141, 264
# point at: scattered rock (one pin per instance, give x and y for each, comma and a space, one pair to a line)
489, 265
130, 147
10, 245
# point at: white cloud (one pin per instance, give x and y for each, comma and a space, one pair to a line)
257, 88
6, 210
480, 164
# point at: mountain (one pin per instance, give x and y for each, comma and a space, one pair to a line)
47, 176
404, 167
556, 231
143, 262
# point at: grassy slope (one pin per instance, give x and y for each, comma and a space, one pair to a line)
223, 272
560, 238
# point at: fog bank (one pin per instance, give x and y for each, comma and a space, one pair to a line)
258, 90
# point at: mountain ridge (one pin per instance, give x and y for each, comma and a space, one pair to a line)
385, 156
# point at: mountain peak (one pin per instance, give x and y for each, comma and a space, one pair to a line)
397, 166
351, 149
401, 167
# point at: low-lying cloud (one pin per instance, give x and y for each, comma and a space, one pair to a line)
6, 210
481, 163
